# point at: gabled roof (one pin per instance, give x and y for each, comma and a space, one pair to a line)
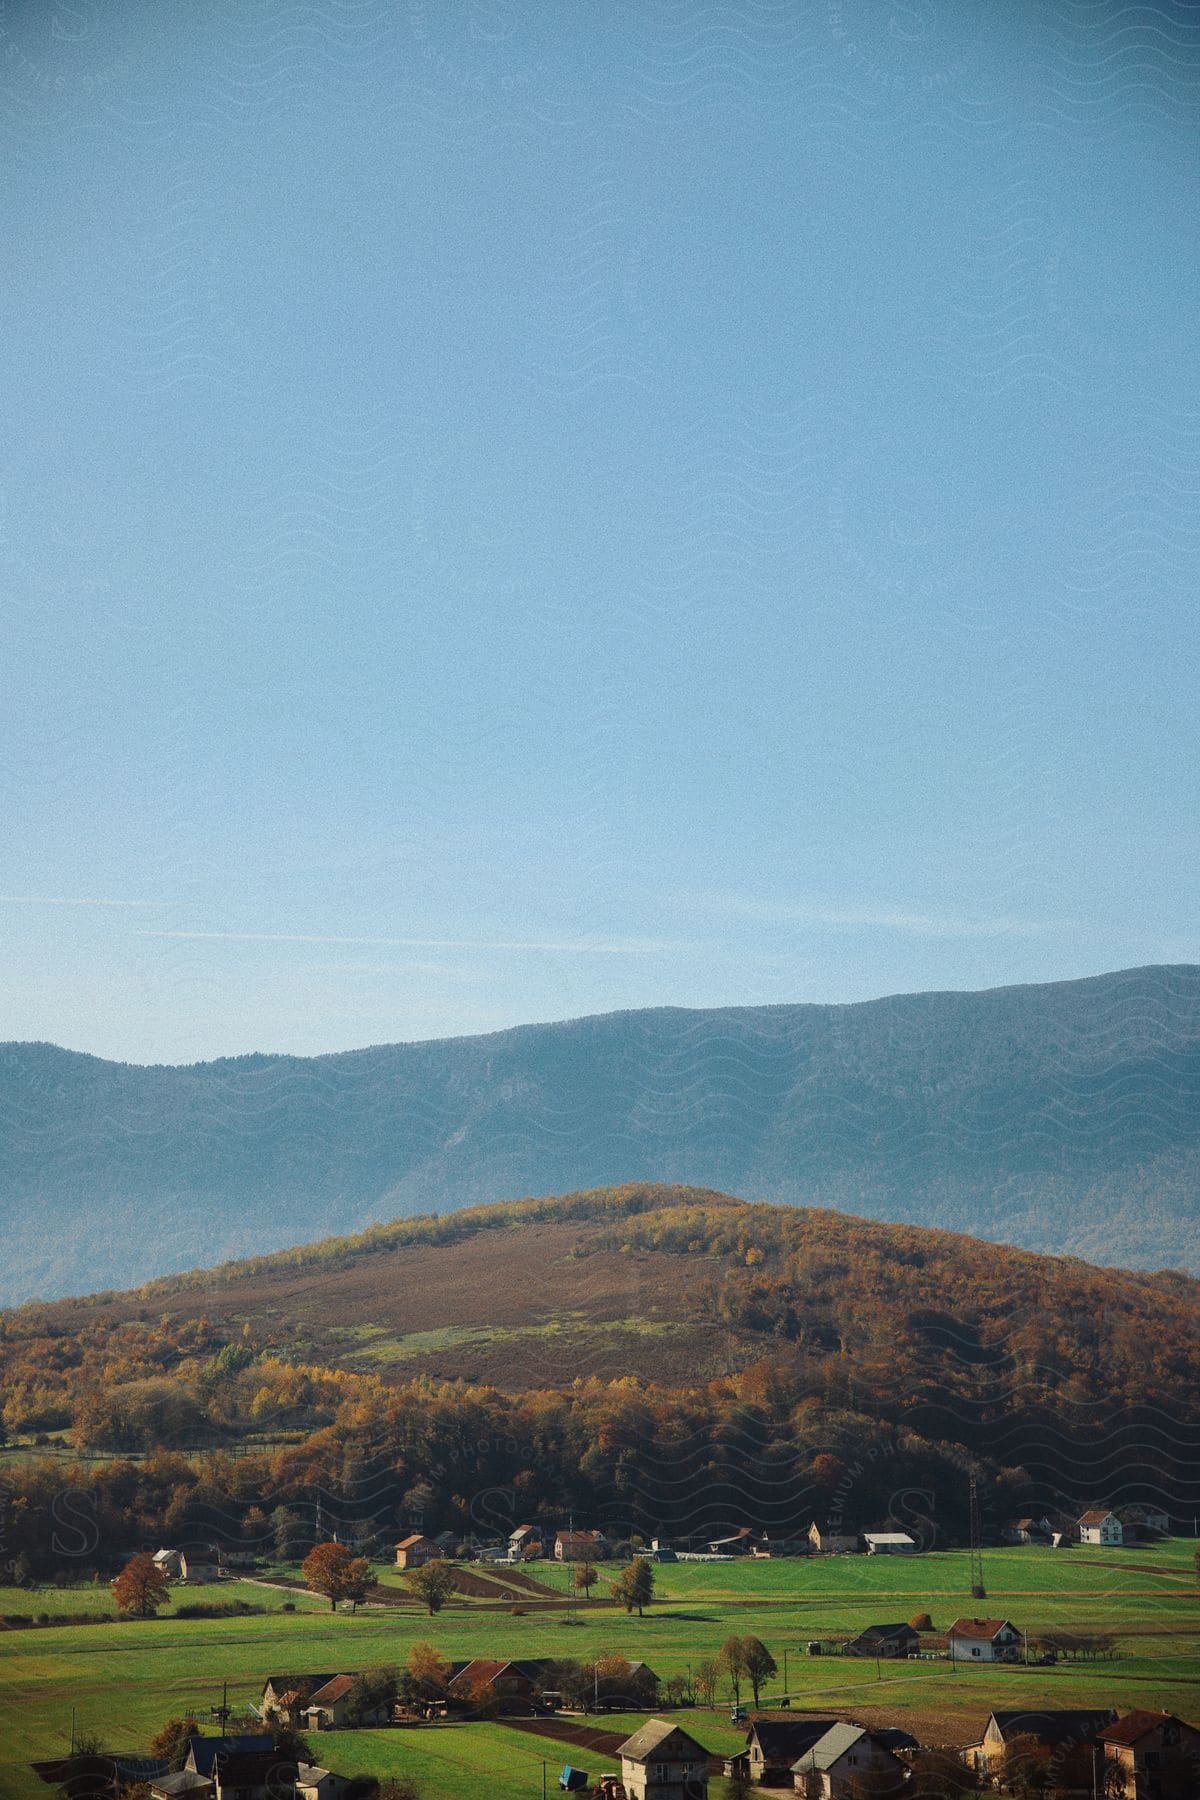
418, 1537
296, 1683
335, 1689
985, 1629
204, 1751
185, 1781
890, 1537
1053, 1726
828, 1748
654, 1732
900, 1630
1135, 1726
783, 1740
1096, 1515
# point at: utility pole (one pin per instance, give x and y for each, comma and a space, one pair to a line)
221, 1713
977, 1587
72, 1731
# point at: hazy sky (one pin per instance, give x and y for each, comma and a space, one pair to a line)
516, 510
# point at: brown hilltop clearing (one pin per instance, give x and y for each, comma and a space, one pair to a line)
676, 1286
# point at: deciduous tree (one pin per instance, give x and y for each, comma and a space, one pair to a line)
759, 1664
584, 1577
428, 1668
433, 1583
171, 1743
326, 1570
634, 1586
141, 1587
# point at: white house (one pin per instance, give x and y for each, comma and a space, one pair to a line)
1099, 1526
984, 1640
889, 1543
315, 1783
524, 1543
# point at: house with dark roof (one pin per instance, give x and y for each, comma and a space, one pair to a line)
1029, 1529
832, 1540
662, 1762
1061, 1731
98, 1777
239, 1768
1151, 1756
884, 1640
773, 1745
1142, 1520
984, 1640
846, 1759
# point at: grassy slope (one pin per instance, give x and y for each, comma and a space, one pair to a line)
125, 1679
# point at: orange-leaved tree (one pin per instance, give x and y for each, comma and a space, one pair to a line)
327, 1570
141, 1587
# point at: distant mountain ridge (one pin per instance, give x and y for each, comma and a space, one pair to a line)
1063, 1117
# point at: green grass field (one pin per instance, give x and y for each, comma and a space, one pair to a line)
125, 1679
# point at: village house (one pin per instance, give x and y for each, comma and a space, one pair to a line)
1028, 1530
884, 1640
580, 1546
661, 1762
168, 1562
284, 1697
984, 1640
180, 1785
237, 1768
198, 1567
1065, 1733
525, 1543
516, 1685
773, 1745
236, 1559
315, 1783
844, 1761
1100, 1526
831, 1541
1151, 1756
325, 1708
742, 1542
889, 1543
413, 1551
1143, 1520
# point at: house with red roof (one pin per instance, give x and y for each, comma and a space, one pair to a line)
413, 1551
1151, 1756
326, 1708
984, 1640
1099, 1525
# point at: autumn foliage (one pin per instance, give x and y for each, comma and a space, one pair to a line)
141, 1587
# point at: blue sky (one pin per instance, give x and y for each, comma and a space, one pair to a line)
511, 511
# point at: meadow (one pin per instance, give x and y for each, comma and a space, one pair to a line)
124, 1680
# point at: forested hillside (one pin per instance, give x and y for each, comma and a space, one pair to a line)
669, 1359
1064, 1118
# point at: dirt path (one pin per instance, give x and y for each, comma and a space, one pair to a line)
589, 1737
